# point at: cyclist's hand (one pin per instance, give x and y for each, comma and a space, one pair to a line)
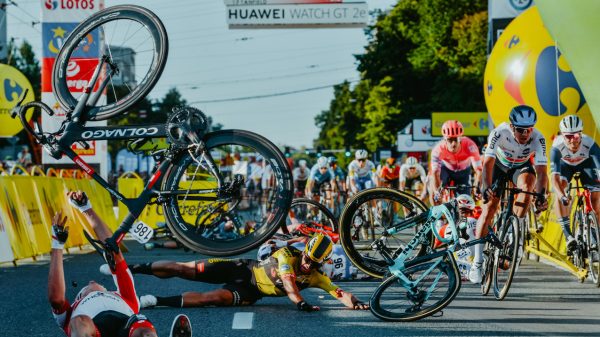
488, 194
477, 194
564, 200
60, 233
303, 306
358, 305
79, 200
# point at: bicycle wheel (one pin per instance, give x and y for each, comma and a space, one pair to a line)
224, 224
577, 229
593, 246
133, 37
309, 216
505, 259
439, 282
354, 223
488, 265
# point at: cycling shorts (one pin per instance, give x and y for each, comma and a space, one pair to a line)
236, 275
586, 169
455, 178
301, 185
502, 174
316, 188
410, 182
363, 183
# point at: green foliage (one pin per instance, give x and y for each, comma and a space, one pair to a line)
23, 58
422, 56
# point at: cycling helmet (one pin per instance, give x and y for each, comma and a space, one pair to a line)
322, 162
332, 160
302, 163
391, 161
411, 161
483, 148
523, 116
361, 154
465, 201
452, 128
319, 248
571, 124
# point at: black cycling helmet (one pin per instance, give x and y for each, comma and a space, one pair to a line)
332, 160
523, 116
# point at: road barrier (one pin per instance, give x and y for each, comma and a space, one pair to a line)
28, 202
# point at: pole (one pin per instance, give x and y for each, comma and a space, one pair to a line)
3, 33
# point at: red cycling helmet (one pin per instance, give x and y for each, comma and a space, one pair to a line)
452, 128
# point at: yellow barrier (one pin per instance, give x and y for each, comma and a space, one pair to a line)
28, 204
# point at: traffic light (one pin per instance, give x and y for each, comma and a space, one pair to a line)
288, 153
319, 151
348, 153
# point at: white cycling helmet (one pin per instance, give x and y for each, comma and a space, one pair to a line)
571, 124
361, 154
322, 162
465, 201
412, 161
302, 163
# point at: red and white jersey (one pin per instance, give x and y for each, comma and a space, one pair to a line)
467, 154
124, 300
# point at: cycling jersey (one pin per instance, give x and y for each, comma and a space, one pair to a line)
300, 174
339, 173
405, 173
250, 280
108, 310
319, 177
560, 153
354, 169
467, 154
503, 146
390, 173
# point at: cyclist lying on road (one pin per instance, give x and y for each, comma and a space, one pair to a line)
96, 311
286, 272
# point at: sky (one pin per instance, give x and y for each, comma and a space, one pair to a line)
210, 62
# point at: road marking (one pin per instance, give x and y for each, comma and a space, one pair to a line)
242, 320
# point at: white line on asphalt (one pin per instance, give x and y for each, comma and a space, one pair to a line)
242, 320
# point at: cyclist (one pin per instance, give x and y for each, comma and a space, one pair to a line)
573, 152
451, 161
410, 171
300, 175
389, 174
286, 272
340, 175
320, 175
360, 172
508, 157
95, 310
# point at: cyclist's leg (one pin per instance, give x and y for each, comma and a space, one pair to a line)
566, 173
462, 178
524, 178
589, 177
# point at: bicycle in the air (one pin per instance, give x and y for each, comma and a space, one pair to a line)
190, 180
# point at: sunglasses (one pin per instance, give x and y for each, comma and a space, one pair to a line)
323, 167
572, 136
412, 168
452, 139
522, 130
361, 159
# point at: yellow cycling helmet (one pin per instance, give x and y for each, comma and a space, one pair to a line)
319, 248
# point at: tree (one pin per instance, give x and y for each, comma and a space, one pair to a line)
23, 58
380, 129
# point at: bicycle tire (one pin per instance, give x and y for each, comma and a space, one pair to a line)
382, 309
324, 210
577, 228
193, 239
488, 264
593, 246
146, 19
509, 237
374, 265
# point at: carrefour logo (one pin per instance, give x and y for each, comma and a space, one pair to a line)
69, 4
520, 4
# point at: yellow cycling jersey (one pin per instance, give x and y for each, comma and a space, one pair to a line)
287, 261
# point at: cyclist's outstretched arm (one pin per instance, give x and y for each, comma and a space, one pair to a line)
56, 276
486, 174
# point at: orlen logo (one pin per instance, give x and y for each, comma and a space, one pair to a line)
69, 4
73, 83
73, 69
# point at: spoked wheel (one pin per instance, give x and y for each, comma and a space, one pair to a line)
223, 223
578, 232
363, 221
593, 246
437, 283
486, 269
308, 217
125, 35
505, 258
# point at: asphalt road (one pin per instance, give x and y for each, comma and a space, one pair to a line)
543, 301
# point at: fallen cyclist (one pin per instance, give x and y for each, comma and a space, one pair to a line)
286, 272
96, 311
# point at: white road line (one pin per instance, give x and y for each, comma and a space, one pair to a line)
242, 320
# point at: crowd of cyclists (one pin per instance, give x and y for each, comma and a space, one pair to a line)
515, 153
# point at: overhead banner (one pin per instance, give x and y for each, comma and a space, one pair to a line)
406, 143
474, 123
297, 14
421, 130
13, 85
59, 18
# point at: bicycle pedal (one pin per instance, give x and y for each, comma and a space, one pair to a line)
539, 229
